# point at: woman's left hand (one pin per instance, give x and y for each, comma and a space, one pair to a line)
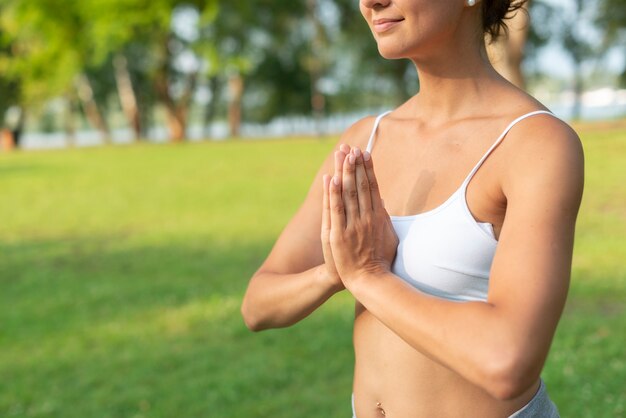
362, 237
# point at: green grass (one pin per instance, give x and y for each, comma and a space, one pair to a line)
122, 271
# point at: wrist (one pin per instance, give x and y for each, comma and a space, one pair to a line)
362, 277
329, 281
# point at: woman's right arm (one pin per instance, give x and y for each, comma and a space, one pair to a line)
294, 280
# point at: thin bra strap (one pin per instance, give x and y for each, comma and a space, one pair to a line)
370, 143
500, 138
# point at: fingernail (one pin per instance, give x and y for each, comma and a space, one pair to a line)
357, 152
336, 180
351, 159
366, 156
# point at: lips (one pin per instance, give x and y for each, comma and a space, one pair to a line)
384, 24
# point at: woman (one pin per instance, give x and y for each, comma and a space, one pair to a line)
459, 292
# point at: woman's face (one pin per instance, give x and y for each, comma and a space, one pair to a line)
410, 28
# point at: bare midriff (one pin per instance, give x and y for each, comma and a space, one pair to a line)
394, 380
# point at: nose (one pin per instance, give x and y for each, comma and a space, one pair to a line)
372, 4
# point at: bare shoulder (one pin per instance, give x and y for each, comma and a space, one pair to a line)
544, 151
358, 133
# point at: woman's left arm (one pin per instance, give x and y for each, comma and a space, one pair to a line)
501, 344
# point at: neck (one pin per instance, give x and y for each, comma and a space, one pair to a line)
454, 82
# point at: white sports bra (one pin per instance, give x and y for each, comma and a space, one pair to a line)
445, 252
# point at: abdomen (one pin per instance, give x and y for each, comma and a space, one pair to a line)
408, 384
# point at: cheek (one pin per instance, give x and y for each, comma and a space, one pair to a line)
422, 32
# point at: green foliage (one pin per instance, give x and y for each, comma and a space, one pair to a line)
612, 17
122, 271
284, 50
47, 49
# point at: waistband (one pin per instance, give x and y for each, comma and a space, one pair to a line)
540, 406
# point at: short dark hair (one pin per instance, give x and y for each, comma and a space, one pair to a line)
495, 12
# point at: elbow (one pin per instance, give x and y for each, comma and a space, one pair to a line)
505, 389
253, 323
509, 377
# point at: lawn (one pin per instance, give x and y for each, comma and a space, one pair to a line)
122, 270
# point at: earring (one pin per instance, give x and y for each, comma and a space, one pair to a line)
471, 3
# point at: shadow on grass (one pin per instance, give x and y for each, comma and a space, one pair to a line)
103, 327
66, 283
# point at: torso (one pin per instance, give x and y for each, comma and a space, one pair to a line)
417, 171
407, 384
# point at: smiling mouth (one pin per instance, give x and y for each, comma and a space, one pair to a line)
383, 25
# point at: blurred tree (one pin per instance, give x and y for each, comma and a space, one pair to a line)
372, 69
141, 31
49, 55
225, 46
611, 18
579, 48
317, 60
126, 92
247, 47
9, 94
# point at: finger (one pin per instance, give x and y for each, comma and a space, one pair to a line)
337, 210
340, 156
373, 182
349, 191
345, 148
362, 184
325, 207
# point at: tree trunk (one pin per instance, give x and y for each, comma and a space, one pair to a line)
176, 123
211, 107
69, 122
235, 90
507, 53
128, 99
92, 110
14, 123
316, 66
7, 140
578, 91
177, 112
578, 51
18, 129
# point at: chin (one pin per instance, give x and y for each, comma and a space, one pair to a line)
391, 53
390, 56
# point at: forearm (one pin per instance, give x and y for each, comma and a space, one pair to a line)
279, 300
477, 340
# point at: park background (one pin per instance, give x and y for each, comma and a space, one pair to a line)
152, 151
